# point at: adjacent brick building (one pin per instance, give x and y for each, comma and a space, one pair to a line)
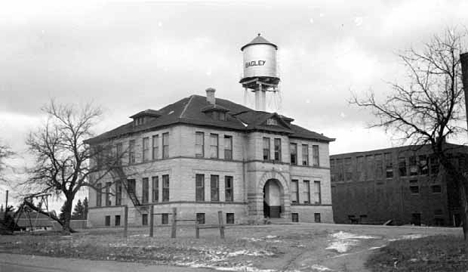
404, 184
203, 154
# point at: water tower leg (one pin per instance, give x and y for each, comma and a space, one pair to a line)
257, 100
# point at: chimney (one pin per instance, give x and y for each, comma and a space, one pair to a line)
210, 96
464, 65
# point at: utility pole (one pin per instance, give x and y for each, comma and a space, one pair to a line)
6, 204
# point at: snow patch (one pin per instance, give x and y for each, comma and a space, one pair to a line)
343, 241
346, 235
408, 237
320, 268
342, 246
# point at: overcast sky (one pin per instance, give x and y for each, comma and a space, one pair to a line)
127, 56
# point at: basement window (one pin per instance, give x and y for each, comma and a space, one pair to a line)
229, 218
165, 219
295, 217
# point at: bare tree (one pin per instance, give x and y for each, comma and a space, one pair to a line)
62, 158
428, 109
5, 152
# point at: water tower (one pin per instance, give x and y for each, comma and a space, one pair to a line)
260, 70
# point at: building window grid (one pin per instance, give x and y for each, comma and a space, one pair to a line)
317, 192
131, 152
305, 154
145, 191
214, 143
199, 144
165, 143
229, 188
227, 147
165, 192
146, 150
214, 187
266, 148
293, 148
108, 193
155, 147
423, 165
379, 171
388, 165
339, 170
199, 187
306, 192
155, 194
315, 155
348, 169
402, 166
118, 193
294, 191
99, 195
277, 143
413, 166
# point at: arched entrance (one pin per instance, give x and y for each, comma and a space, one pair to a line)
272, 199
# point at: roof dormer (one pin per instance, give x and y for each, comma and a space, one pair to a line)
145, 116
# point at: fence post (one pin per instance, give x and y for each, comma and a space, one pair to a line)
151, 220
174, 222
125, 221
221, 224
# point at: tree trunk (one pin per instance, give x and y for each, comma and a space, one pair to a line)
67, 210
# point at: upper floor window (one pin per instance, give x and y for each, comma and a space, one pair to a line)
378, 166
277, 149
155, 194
266, 149
155, 144
98, 195
131, 152
305, 154
228, 147
165, 143
229, 188
306, 192
388, 165
348, 169
317, 192
145, 190
413, 166
108, 194
294, 191
315, 155
423, 165
293, 153
145, 149
214, 146
402, 166
119, 153
165, 184
200, 187
214, 188
199, 144
118, 193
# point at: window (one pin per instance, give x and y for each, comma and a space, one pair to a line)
131, 186
423, 165
108, 194
107, 221
118, 193
214, 188
165, 192
144, 219
155, 144
272, 122
339, 170
414, 189
145, 149
99, 195
201, 218
145, 191
165, 143
317, 192
293, 148
402, 166
370, 167
332, 170
348, 169
119, 153
305, 154
199, 144
388, 165
315, 155
266, 149
227, 147
222, 116
306, 192
294, 191
117, 220
229, 218
155, 181
360, 174
164, 218
378, 166
214, 146
434, 165
277, 149
229, 188
200, 187
295, 217
131, 152
436, 189
413, 166
317, 218
439, 222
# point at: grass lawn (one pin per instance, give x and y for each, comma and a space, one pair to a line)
300, 247
435, 253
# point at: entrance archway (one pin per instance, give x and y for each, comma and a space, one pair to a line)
272, 199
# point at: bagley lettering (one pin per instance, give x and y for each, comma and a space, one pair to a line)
255, 63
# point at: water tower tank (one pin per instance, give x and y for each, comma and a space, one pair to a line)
259, 63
